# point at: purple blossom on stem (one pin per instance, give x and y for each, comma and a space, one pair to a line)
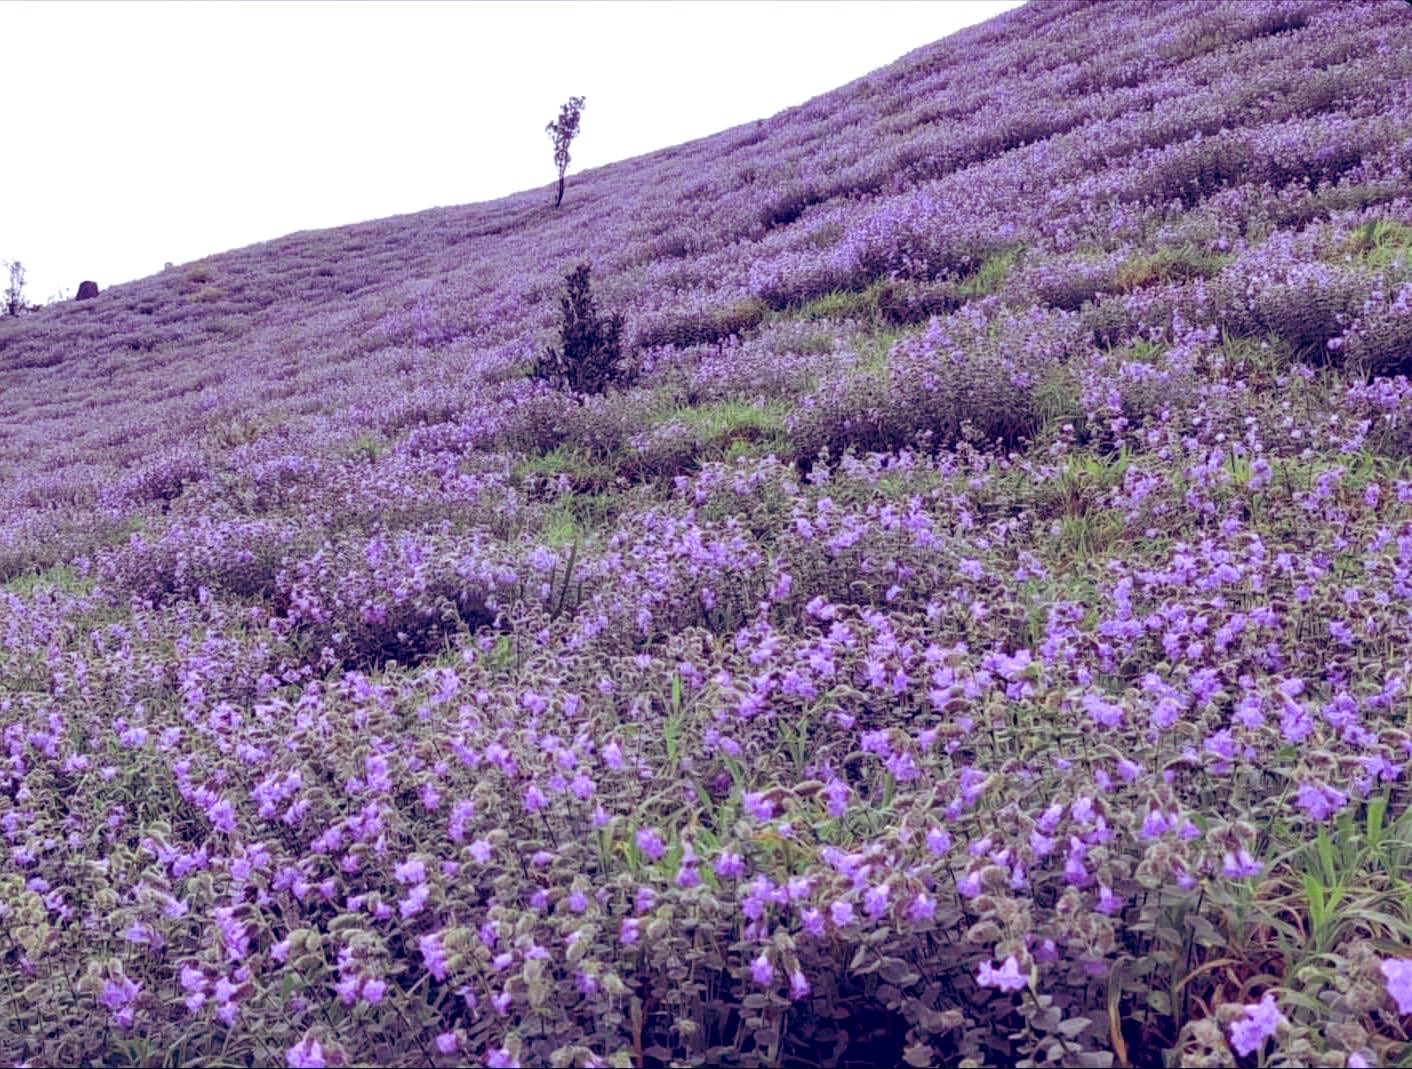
762, 971
1240, 865
308, 1053
1398, 974
1007, 978
1260, 1022
650, 843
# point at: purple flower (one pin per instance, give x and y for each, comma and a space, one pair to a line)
1398, 974
1104, 713
841, 913
222, 816
761, 971
757, 805
1239, 866
628, 933
500, 1058
1007, 978
922, 908
413, 870
729, 866
306, 1054
798, 984
433, 955
875, 900
812, 921
650, 843
836, 791
1318, 801
118, 997
447, 1043
1156, 824
1262, 1019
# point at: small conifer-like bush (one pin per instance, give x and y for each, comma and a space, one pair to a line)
588, 359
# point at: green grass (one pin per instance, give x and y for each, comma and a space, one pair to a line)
990, 275
1169, 265
573, 461
579, 519
59, 577
840, 304
725, 418
1382, 243
367, 446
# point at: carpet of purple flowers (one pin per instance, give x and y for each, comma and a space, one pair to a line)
977, 629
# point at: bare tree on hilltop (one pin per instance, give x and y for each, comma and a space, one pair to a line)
562, 131
15, 291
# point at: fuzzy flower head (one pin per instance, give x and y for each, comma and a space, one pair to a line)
762, 971
119, 996
651, 844
306, 1054
1260, 1021
1318, 801
1398, 974
1240, 865
1007, 978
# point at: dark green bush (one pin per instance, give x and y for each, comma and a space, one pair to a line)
589, 357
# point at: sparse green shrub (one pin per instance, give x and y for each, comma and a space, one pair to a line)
689, 436
589, 356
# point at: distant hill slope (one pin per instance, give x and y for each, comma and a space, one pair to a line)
1059, 127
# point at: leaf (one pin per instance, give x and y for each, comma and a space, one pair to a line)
1326, 856
1377, 809
918, 1054
1073, 1026
1094, 1059
1317, 903
897, 971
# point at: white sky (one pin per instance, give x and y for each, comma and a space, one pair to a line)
138, 133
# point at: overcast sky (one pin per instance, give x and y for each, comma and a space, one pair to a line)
140, 133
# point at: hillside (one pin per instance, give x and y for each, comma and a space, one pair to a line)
975, 630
